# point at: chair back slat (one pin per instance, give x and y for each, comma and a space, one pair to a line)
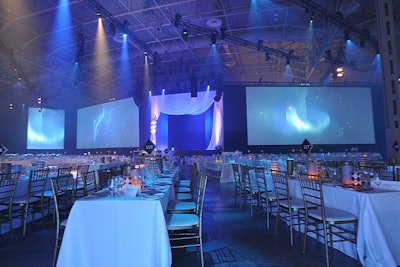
8, 184
37, 182
90, 186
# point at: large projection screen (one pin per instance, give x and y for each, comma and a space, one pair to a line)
323, 115
46, 128
109, 125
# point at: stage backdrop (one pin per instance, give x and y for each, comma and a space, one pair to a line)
186, 122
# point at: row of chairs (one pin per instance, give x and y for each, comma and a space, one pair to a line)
308, 213
38, 199
184, 217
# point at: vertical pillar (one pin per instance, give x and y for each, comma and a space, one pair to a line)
390, 76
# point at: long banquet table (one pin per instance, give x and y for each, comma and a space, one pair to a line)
378, 211
118, 231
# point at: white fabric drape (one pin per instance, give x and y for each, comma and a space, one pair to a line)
184, 104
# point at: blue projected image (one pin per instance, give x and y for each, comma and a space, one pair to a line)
323, 115
45, 129
109, 125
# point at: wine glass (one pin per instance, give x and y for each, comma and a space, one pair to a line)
111, 186
376, 179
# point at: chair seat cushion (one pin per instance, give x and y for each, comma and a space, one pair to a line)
182, 190
183, 196
183, 183
24, 200
332, 215
3, 207
178, 221
181, 206
296, 203
47, 193
271, 196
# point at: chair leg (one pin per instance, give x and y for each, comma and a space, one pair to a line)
24, 219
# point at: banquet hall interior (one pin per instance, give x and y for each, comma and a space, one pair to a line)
156, 100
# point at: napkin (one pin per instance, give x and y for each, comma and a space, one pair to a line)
130, 190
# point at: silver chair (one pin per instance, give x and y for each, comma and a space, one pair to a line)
185, 230
62, 196
289, 209
266, 196
89, 183
8, 184
238, 182
335, 225
33, 202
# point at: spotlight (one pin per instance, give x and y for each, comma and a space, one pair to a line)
346, 35
223, 33
193, 85
328, 55
145, 53
267, 56
185, 34
19, 78
99, 14
289, 57
312, 17
338, 72
10, 106
125, 28
213, 38
259, 44
177, 20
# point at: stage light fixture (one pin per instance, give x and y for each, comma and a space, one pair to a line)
267, 56
185, 34
99, 14
259, 45
312, 17
125, 29
213, 38
223, 33
346, 36
145, 53
338, 72
177, 20
193, 85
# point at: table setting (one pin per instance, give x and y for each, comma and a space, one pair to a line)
128, 216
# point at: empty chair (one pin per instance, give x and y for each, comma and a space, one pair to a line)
335, 225
60, 186
289, 209
104, 176
184, 193
90, 186
250, 189
185, 230
64, 171
266, 196
8, 184
33, 202
78, 188
238, 182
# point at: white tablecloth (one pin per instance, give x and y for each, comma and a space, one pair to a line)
378, 212
117, 231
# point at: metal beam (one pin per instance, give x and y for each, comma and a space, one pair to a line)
338, 20
178, 23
